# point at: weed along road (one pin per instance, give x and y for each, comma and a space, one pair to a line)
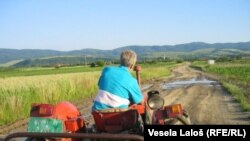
200, 95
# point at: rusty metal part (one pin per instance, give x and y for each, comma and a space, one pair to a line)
76, 135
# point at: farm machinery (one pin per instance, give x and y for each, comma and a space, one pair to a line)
64, 122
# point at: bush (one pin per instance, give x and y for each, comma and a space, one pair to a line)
100, 63
92, 65
179, 61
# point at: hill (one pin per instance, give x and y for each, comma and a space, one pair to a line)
194, 50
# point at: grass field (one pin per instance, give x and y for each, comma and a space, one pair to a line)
18, 93
235, 77
20, 88
34, 71
157, 70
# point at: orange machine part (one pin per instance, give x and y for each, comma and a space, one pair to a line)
74, 124
173, 110
139, 107
65, 111
70, 115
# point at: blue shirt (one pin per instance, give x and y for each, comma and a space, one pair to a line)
117, 88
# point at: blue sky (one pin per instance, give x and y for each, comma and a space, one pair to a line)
108, 24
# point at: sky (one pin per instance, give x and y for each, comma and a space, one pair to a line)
107, 24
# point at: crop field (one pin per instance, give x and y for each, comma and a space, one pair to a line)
20, 88
156, 70
34, 71
235, 77
18, 93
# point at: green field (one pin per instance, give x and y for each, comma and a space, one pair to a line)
21, 87
32, 71
235, 77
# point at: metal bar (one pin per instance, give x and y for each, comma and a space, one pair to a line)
76, 135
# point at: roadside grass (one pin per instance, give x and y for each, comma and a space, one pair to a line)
238, 93
17, 93
235, 77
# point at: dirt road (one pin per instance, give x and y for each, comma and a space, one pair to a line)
203, 98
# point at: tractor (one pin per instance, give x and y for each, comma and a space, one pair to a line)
64, 122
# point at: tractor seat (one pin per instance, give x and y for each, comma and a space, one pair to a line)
115, 120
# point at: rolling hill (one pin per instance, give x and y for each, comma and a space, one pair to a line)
194, 50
